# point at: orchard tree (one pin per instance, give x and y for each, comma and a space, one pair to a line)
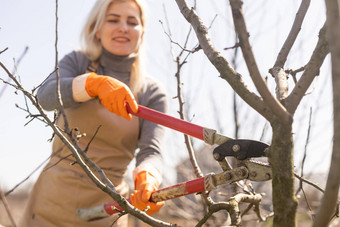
279, 109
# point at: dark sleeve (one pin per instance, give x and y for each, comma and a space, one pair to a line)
151, 134
72, 65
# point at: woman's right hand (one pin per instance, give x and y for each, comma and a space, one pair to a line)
113, 94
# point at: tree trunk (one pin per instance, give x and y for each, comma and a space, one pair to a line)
329, 201
281, 159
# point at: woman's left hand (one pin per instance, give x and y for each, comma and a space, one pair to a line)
145, 184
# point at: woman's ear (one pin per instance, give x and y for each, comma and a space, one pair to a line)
98, 34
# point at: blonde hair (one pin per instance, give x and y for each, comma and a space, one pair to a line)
92, 47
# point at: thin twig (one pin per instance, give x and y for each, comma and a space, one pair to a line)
8, 210
33, 90
196, 48
212, 21
29, 175
30, 115
305, 150
247, 209
233, 47
35, 170
121, 214
197, 170
306, 199
213, 209
58, 91
15, 67
56, 163
312, 69
96, 132
2, 51
309, 182
294, 72
174, 42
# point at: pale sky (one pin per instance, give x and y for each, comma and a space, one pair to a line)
32, 24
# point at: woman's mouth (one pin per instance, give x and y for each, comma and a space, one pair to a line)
121, 39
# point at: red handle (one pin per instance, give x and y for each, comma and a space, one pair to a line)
181, 189
168, 121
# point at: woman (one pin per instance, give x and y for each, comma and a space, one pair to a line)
95, 84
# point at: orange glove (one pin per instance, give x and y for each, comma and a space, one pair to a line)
145, 184
112, 94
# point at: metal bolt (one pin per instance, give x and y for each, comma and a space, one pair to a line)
253, 174
236, 148
228, 176
216, 156
242, 172
268, 176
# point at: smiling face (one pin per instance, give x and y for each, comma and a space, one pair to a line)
122, 30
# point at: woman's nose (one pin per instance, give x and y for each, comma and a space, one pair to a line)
123, 27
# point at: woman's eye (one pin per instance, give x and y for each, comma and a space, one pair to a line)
133, 23
113, 21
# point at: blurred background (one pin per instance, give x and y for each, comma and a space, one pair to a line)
27, 29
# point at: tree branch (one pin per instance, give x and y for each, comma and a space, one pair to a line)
277, 71
14, 70
60, 101
287, 46
311, 71
232, 206
221, 64
259, 82
305, 150
71, 143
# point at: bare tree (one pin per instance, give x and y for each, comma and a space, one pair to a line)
278, 109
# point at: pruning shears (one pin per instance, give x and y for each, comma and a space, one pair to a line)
241, 149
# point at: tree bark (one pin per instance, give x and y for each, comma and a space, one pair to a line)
281, 159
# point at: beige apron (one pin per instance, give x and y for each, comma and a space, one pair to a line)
62, 188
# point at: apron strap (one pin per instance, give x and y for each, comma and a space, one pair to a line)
92, 67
